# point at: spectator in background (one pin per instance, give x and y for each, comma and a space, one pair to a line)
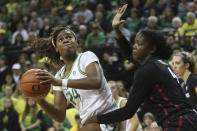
96, 38
176, 24
4, 15
153, 23
8, 92
99, 19
191, 7
4, 69
9, 119
34, 60
22, 31
122, 90
12, 25
133, 22
34, 29
11, 6
26, 19
33, 6
195, 6
16, 74
147, 121
81, 35
19, 40
21, 60
32, 117
166, 18
8, 32
189, 28
9, 82
27, 65
46, 30
194, 44
83, 11
67, 18
100, 8
53, 17
3, 41
182, 8
35, 18
172, 42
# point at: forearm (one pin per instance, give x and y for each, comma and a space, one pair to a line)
115, 116
88, 83
123, 43
135, 122
52, 111
118, 33
34, 125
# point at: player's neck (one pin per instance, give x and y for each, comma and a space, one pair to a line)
70, 60
186, 75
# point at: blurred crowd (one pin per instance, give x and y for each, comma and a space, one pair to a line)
91, 21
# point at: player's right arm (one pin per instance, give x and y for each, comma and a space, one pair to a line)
56, 111
124, 44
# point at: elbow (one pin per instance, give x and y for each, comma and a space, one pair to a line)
97, 83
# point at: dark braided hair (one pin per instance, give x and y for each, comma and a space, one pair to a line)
156, 38
46, 46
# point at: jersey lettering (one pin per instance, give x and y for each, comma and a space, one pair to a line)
73, 95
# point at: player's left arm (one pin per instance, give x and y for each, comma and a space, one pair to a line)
92, 81
196, 89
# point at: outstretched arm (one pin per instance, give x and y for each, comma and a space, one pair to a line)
143, 86
124, 44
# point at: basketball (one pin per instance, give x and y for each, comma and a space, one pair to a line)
30, 85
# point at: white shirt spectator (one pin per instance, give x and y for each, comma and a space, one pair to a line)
24, 34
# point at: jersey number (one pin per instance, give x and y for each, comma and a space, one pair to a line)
73, 95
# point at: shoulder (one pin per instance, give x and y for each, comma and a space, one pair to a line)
147, 68
88, 55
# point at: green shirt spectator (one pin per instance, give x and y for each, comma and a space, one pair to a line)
95, 38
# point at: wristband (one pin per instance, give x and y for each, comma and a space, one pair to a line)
64, 83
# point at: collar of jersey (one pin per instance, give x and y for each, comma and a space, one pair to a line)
64, 69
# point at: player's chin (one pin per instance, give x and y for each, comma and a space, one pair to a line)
90, 127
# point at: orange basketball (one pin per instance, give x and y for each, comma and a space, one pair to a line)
30, 85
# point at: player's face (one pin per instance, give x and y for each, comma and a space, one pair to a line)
66, 43
178, 66
141, 49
